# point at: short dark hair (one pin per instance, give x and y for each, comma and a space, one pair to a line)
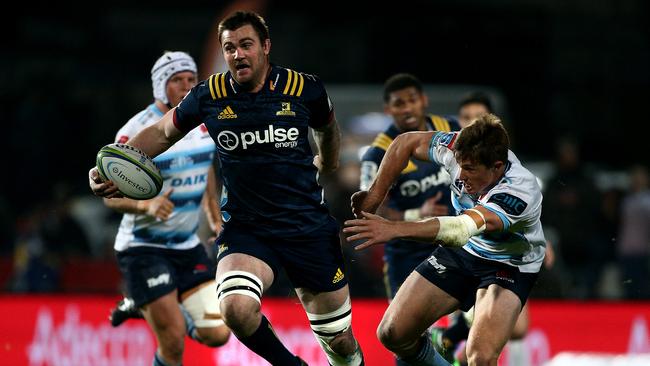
241, 18
399, 82
477, 98
484, 141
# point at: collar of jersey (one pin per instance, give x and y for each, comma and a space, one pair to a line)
273, 76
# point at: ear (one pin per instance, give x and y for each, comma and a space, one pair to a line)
498, 164
267, 47
425, 100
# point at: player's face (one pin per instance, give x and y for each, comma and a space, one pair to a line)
407, 107
470, 112
179, 85
246, 56
478, 178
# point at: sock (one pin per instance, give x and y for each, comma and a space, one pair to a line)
457, 332
426, 356
158, 361
190, 329
265, 343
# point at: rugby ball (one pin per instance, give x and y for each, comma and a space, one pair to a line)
132, 171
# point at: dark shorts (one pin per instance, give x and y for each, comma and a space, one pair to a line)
151, 273
313, 260
460, 274
399, 265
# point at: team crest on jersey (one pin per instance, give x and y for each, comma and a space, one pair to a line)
509, 203
222, 248
446, 139
286, 110
227, 113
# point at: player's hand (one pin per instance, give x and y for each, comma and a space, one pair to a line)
364, 201
375, 229
431, 207
160, 207
323, 169
100, 188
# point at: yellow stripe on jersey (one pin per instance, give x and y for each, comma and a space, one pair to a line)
440, 124
230, 110
211, 86
302, 82
295, 81
289, 77
382, 141
223, 85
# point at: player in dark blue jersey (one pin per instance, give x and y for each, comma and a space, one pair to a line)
421, 190
260, 116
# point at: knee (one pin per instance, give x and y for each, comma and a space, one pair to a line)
386, 333
215, 336
481, 355
240, 313
343, 344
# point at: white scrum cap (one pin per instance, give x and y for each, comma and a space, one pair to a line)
167, 65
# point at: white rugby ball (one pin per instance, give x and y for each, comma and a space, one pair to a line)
132, 171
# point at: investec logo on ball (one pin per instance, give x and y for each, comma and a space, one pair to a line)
282, 137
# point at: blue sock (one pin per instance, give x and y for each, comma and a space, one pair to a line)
265, 343
158, 361
190, 329
426, 356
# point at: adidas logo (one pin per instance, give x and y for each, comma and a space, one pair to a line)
227, 113
338, 276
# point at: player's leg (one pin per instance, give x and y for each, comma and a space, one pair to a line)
416, 306
330, 317
165, 319
521, 326
495, 313
151, 282
202, 311
200, 304
241, 281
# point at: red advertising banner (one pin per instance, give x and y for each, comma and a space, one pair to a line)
74, 331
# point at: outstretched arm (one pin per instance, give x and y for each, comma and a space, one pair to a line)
405, 146
153, 140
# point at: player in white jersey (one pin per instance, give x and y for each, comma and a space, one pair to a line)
160, 255
491, 251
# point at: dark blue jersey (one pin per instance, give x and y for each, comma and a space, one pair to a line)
264, 154
419, 181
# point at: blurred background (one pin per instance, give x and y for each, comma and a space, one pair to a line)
570, 80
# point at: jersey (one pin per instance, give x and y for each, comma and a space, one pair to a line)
419, 181
265, 160
184, 168
516, 199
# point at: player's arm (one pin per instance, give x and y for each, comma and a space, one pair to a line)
158, 137
448, 230
405, 146
211, 199
328, 141
160, 207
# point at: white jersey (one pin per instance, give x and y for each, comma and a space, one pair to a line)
184, 168
516, 199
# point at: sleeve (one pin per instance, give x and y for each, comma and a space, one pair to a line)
440, 149
127, 131
318, 102
187, 114
369, 166
510, 204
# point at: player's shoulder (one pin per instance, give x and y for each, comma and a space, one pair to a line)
443, 123
138, 122
214, 87
296, 83
517, 190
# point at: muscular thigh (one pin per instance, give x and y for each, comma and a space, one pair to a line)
417, 304
495, 314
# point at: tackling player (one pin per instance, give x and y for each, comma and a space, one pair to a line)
491, 251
